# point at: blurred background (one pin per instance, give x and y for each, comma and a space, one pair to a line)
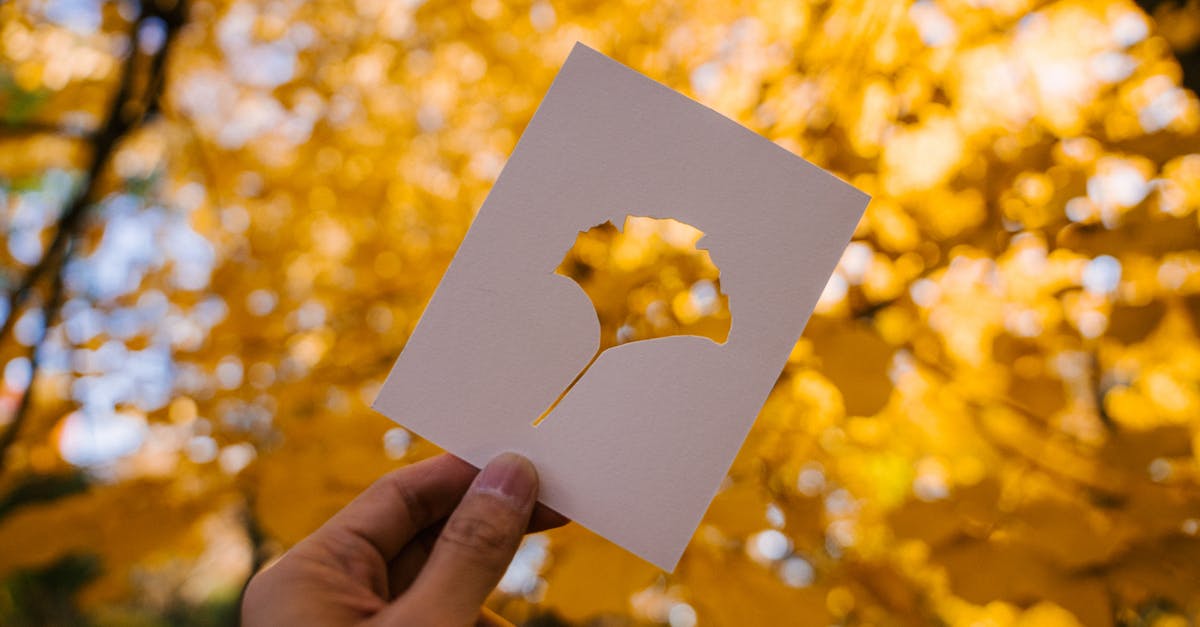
221, 220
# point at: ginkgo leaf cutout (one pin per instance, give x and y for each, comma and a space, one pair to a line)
646, 281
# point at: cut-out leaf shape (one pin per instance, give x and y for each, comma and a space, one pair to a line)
647, 280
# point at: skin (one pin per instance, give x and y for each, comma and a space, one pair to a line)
423, 545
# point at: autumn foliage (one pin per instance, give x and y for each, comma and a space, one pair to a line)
223, 219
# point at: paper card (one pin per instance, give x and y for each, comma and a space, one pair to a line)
637, 448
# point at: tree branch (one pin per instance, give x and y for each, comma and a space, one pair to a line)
126, 112
26, 129
21, 413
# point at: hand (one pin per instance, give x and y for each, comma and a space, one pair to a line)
424, 545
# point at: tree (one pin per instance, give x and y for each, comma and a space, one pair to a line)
223, 219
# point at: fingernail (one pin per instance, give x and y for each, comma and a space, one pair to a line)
510, 477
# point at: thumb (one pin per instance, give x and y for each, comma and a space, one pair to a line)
476, 545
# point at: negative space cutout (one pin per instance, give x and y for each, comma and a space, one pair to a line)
646, 280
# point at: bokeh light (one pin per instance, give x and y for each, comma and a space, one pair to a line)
222, 219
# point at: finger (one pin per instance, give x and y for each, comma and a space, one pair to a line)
476, 545
403, 570
400, 504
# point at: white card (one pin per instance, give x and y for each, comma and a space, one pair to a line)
637, 448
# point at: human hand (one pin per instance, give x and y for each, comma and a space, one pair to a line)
423, 545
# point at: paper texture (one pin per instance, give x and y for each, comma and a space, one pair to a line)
638, 447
